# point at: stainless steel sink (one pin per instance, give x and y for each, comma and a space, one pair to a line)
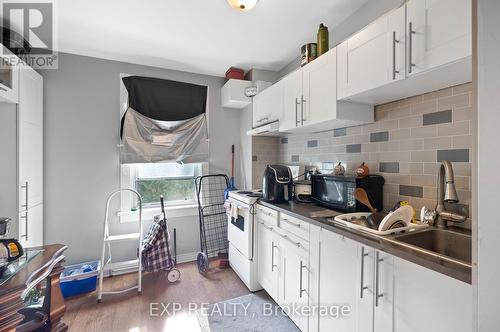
444, 242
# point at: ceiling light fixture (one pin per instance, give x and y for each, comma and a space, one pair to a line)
242, 5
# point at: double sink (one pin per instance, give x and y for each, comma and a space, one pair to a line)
451, 244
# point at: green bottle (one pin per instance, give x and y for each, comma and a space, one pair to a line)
322, 39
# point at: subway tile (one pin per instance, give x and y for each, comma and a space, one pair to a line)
355, 130
438, 94
462, 114
398, 179
423, 180
400, 134
353, 148
462, 88
462, 142
411, 144
410, 122
457, 155
423, 156
388, 146
387, 106
455, 128
400, 112
430, 193
462, 182
388, 125
436, 143
295, 158
369, 147
345, 139
284, 140
381, 115
424, 107
462, 169
370, 128
391, 188
361, 139
414, 191
424, 132
396, 156
339, 132
312, 143
453, 102
389, 167
431, 168
411, 100
381, 136
415, 168
436, 117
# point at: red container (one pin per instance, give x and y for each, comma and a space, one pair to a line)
235, 73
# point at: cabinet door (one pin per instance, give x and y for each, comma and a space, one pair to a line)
294, 282
31, 227
320, 89
339, 281
374, 56
268, 105
267, 260
30, 140
384, 283
425, 300
292, 105
439, 32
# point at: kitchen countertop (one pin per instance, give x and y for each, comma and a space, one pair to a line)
306, 212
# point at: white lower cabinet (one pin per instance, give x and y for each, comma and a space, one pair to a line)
267, 259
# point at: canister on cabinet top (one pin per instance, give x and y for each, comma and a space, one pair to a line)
309, 52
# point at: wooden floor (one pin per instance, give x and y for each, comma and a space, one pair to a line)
130, 312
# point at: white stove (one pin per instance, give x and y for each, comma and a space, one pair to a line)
241, 234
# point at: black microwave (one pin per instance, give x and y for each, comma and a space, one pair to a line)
337, 192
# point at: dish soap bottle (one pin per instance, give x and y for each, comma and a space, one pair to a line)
322, 39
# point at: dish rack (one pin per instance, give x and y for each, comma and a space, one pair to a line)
343, 220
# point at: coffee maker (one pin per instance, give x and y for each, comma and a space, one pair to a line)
10, 249
277, 184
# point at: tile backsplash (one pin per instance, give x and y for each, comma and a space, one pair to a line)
405, 145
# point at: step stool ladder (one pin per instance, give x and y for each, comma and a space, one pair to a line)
109, 239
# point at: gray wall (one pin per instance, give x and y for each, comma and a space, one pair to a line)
81, 134
487, 270
361, 18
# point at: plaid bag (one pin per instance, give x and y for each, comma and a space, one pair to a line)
155, 249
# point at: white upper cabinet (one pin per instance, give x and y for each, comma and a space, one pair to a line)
9, 77
292, 101
310, 99
374, 56
439, 32
268, 105
233, 94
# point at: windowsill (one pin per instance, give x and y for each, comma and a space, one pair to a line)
148, 213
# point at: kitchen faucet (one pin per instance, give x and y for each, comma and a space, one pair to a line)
446, 192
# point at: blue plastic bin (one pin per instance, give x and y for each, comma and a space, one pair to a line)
79, 278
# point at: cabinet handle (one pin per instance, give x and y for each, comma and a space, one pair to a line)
25, 217
262, 120
297, 122
291, 223
363, 255
377, 269
302, 101
25, 187
394, 42
294, 243
410, 47
301, 290
272, 256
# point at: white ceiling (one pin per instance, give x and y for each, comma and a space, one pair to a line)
202, 36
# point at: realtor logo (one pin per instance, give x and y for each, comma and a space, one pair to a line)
29, 31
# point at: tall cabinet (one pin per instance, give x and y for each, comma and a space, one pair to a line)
21, 146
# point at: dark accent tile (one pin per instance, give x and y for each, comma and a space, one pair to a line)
284, 140
388, 167
382, 136
295, 158
353, 148
457, 155
312, 144
339, 132
254, 158
436, 118
413, 191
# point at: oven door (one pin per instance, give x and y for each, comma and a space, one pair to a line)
240, 229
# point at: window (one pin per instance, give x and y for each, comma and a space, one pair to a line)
174, 181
